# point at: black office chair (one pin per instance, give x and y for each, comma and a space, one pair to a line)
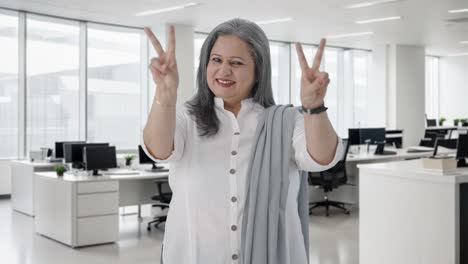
430, 138
446, 143
163, 199
329, 180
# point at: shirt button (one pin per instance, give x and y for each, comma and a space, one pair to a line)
233, 199
237, 133
233, 227
235, 256
234, 152
232, 171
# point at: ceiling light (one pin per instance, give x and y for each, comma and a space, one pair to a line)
458, 11
350, 35
167, 9
377, 20
371, 3
464, 42
275, 21
458, 54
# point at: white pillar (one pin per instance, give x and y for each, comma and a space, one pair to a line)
406, 91
377, 91
185, 61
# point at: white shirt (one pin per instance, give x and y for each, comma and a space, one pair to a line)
208, 178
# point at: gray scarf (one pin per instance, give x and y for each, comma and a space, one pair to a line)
264, 230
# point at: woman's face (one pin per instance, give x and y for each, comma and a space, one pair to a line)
231, 69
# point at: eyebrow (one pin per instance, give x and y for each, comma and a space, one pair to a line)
232, 57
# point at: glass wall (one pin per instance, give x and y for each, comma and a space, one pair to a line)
197, 45
280, 71
8, 85
113, 96
77, 81
52, 100
331, 62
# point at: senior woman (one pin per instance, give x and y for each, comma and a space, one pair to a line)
230, 204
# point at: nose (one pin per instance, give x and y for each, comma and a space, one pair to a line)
226, 69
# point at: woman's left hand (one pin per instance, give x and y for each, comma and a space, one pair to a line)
313, 82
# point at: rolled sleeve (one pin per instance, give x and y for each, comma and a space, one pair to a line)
179, 138
302, 157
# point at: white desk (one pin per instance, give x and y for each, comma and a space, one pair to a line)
350, 193
83, 210
401, 154
22, 183
410, 215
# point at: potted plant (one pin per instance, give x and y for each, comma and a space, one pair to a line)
441, 121
463, 120
60, 170
456, 121
128, 159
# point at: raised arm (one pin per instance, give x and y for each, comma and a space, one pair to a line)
158, 134
320, 136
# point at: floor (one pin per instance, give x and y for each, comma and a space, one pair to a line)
332, 240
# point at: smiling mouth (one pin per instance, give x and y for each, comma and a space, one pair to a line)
225, 83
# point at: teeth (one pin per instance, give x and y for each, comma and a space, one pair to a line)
225, 82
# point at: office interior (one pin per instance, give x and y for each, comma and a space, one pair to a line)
77, 71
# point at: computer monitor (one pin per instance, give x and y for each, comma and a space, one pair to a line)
73, 152
372, 135
354, 137
99, 158
462, 150
359, 136
59, 147
446, 143
144, 159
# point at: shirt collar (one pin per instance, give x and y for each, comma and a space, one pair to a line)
247, 103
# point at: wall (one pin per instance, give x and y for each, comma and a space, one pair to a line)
453, 90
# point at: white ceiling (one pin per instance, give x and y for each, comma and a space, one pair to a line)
424, 21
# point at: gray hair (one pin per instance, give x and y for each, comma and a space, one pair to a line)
201, 106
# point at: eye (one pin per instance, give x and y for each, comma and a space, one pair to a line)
236, 63
215, 59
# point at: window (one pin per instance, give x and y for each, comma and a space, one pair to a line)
432, 87
114, 86
198, 43
52, 69
360, 67
279, 53
331, 60
8, 85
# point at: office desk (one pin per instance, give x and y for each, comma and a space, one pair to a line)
401, 154
410, 215
22, 183
83, 210
350, 193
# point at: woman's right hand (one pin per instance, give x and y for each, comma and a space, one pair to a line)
164, 69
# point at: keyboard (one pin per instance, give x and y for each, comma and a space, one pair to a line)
416, 149
386, 152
